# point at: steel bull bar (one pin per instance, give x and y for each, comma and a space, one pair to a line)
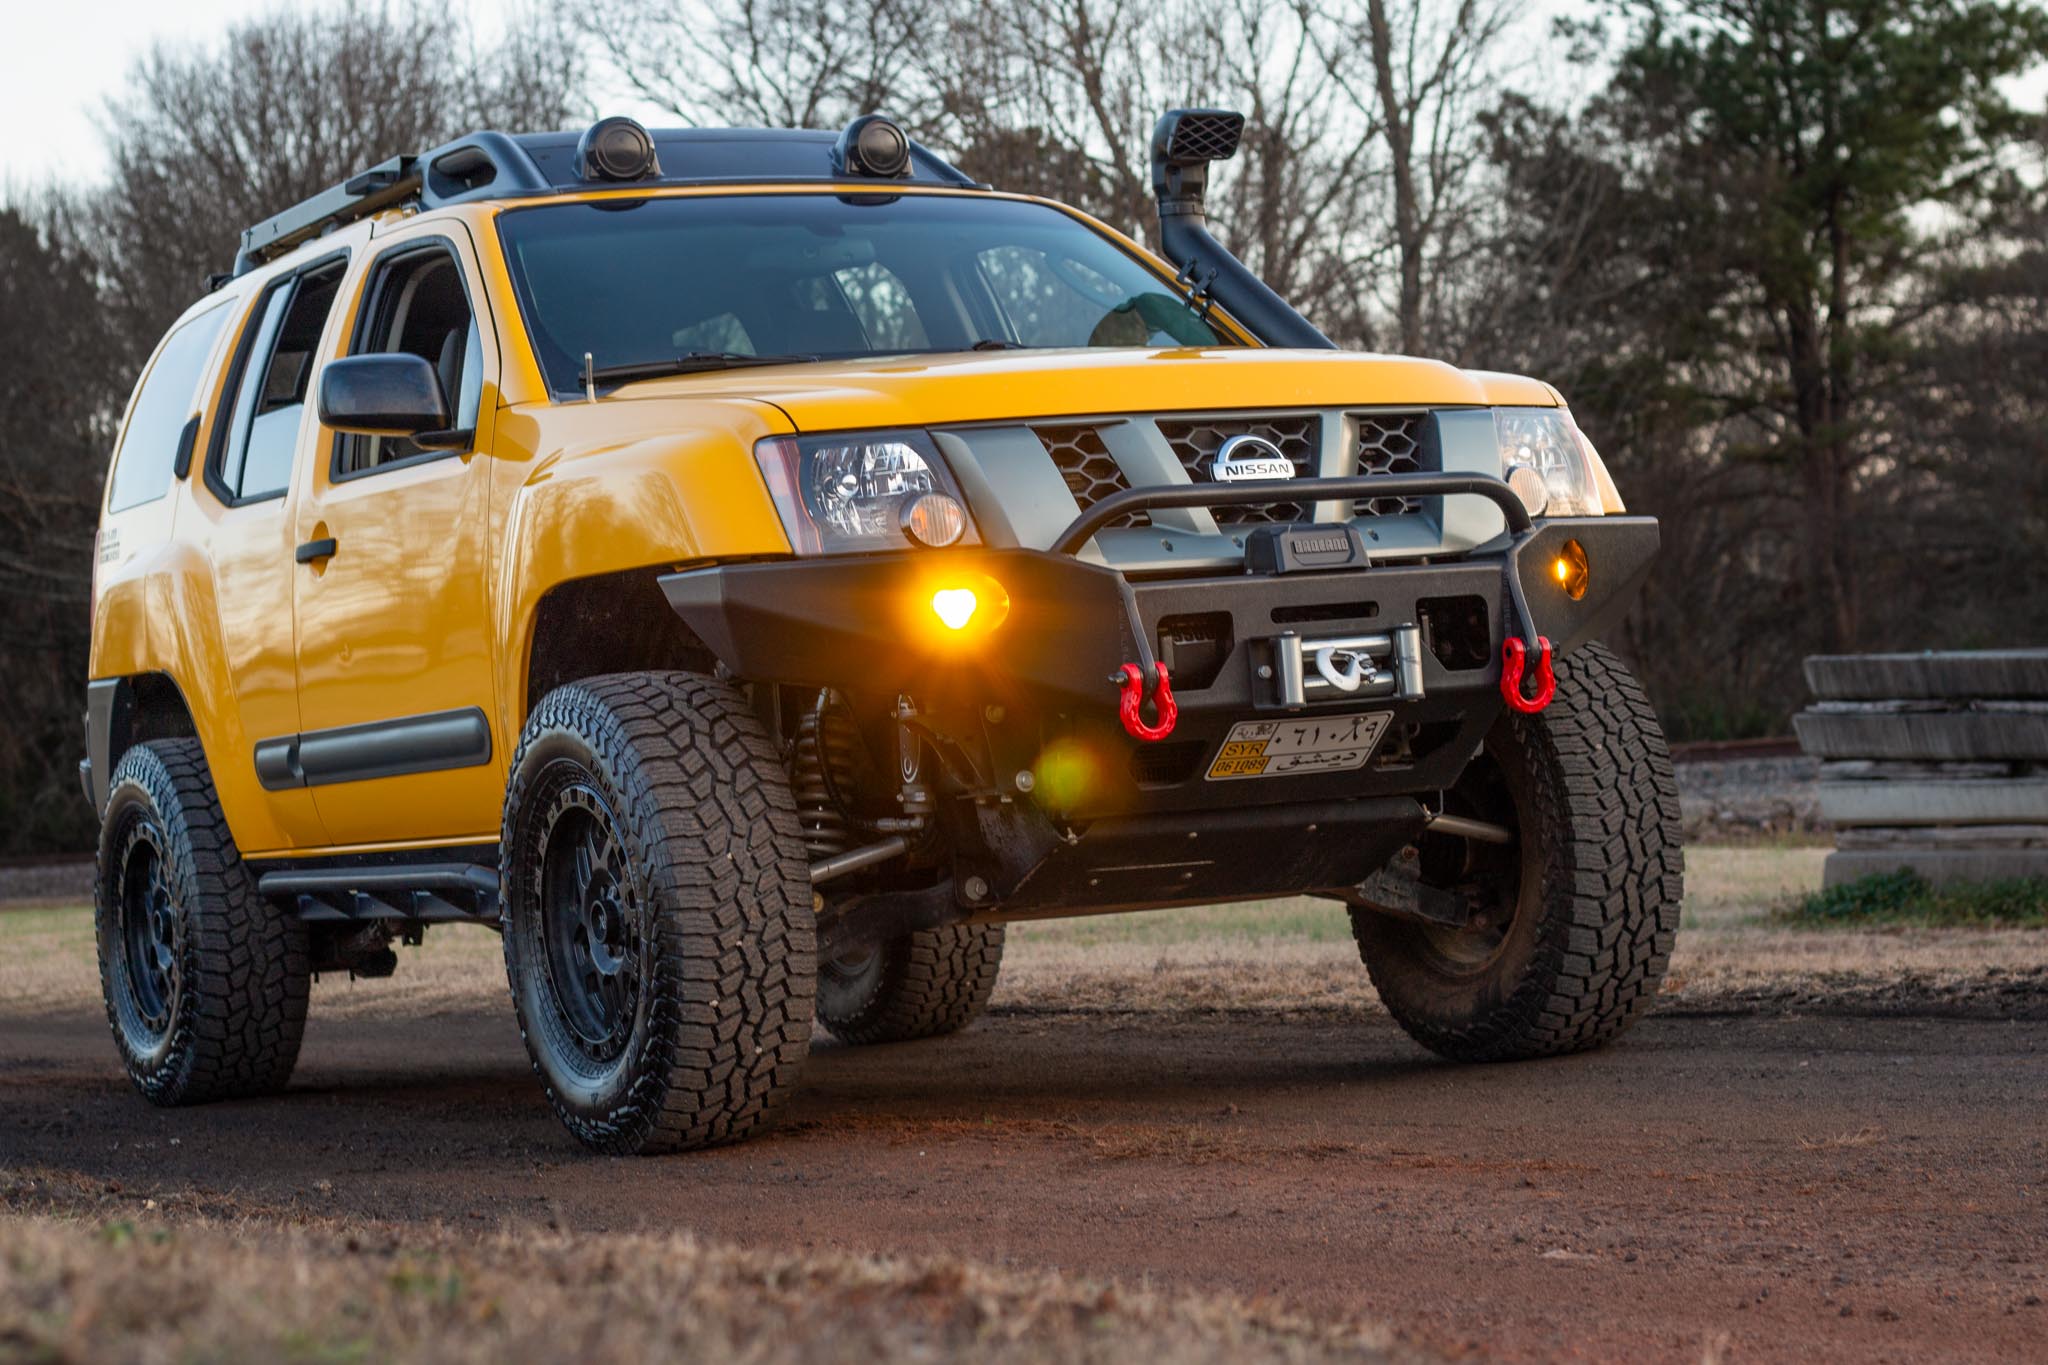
1527, 651
1075, 626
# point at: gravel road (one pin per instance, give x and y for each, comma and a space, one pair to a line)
1728, 1183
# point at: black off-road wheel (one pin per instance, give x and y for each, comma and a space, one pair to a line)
659, 937
205, 983
1571, 925
921, 985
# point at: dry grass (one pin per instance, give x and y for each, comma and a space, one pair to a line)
47, 962
1735, 938
1288, 955
84, 1276
1298, 954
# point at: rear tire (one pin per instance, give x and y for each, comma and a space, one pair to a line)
205, 983
659, 938
921, 985
1575, 924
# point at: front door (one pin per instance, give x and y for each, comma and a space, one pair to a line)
396, 694
254, 476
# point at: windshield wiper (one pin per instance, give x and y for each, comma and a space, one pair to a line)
690, 362
994, 344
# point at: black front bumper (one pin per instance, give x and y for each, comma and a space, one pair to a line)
862, 625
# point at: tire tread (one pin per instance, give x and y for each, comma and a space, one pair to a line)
931, 982
1602, 785
247, 966
710, 822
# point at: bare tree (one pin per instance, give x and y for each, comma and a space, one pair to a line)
777, 63
1415, 71
1298, 203
1095, 74
1088, 72
206, 141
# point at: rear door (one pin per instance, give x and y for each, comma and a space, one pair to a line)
396, 688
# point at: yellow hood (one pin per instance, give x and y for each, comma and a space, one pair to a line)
937, 390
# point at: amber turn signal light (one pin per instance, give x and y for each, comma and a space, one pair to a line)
1571, 570
933, 520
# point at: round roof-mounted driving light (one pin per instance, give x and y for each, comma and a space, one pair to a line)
1528, 485
616, 149
873, 145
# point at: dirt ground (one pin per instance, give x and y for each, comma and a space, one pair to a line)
1822, 1146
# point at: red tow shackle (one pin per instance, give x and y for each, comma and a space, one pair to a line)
1132, 687
1513, 658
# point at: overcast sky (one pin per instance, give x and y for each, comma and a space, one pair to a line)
60, 59
56, 72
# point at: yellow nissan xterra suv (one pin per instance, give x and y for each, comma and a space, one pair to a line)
750, 568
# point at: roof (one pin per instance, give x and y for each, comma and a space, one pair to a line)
493, 165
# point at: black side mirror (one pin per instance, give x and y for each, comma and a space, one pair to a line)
383, 395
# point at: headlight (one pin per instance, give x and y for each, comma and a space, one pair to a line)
845, 494
1545, 443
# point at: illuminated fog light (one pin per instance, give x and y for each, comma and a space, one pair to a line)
955, 607
959, 607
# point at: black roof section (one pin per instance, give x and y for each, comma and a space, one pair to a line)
489, 165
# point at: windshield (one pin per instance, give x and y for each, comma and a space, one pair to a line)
823, 275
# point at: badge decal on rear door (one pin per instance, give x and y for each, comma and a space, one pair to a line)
1284, 748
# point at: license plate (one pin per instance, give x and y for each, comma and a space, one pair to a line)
1285, 748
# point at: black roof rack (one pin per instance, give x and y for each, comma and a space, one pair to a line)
380, 187
491, 165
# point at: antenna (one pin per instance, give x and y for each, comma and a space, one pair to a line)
589, 379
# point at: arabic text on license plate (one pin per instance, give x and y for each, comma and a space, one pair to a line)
1280, 748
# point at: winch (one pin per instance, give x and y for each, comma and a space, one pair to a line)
1305, 669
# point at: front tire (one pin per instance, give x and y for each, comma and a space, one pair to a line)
921, 985
205, 984
1572, 927
659, 938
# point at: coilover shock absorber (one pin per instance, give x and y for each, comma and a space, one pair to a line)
821, 771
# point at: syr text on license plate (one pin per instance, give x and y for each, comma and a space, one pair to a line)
1280, 748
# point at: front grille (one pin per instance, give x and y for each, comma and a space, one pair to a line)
1392, 443
1090, 471
1196, 443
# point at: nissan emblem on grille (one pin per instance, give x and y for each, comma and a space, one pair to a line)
1250, 457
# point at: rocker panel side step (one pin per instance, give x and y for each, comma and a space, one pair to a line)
428, 892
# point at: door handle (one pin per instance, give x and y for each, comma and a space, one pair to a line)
314, 550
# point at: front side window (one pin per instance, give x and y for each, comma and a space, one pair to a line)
417, 305
164, 404
253, 452
823, 276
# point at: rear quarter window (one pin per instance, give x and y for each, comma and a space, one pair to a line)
165, 400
